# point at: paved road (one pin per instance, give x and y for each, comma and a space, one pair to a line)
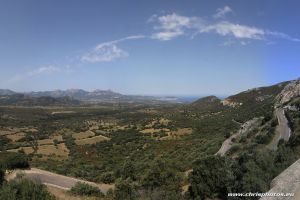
283, 126
56, 180
226, 145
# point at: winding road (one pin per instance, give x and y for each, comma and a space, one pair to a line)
283, 124
55, 180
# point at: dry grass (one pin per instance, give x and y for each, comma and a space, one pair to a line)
15, 137
164, 121
182, 131
83, 135
176, 134
92, 140
45, 141
14, 130
27, 150
153, 130
58, 138
150, 130
61, 150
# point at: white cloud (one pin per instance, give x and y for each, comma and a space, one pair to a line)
171, 26
222, 12
236, 30
108, 51
104, 53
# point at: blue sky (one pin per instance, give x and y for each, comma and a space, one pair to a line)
148, 47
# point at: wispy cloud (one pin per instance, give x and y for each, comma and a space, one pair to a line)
108, 51
238, 31
168, 27
171, 26
222, 12
282, 36
44, 70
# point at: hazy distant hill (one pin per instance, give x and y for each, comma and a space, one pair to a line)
95, 96
79, 94
6, 92
24, 100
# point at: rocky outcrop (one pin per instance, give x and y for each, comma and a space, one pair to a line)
286, 182
289, 92
231, 103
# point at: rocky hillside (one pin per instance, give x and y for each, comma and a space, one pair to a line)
289, 92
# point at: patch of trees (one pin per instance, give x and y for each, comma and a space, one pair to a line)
86, 190
211, 177
10, 160
21, 188
4, 142
215, 177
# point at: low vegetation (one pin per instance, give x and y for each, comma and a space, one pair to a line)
86, 190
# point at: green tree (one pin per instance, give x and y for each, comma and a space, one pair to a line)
11, 160
212, 177
1, 176
86, 189
161, 181
125, 190
25, 190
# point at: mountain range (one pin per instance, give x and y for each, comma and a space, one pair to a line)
77, 95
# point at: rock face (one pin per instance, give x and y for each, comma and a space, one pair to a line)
289, 92
286, 182
229, 102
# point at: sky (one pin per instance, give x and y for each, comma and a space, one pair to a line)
156, 47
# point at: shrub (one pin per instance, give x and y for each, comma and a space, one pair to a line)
125, 190
10, 160
1, 176
24, 189
86, 190
211, 177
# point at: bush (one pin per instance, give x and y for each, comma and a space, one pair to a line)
25, 190
86, 190
125, 190
1, 176
212, 177
108, 177
10, 160
161, 181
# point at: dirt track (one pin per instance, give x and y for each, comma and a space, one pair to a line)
55, 180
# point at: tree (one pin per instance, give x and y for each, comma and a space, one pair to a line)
24, 189
161, 181
212, 177
11, 160
125, 190
128, 171
1, 176
86, 189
